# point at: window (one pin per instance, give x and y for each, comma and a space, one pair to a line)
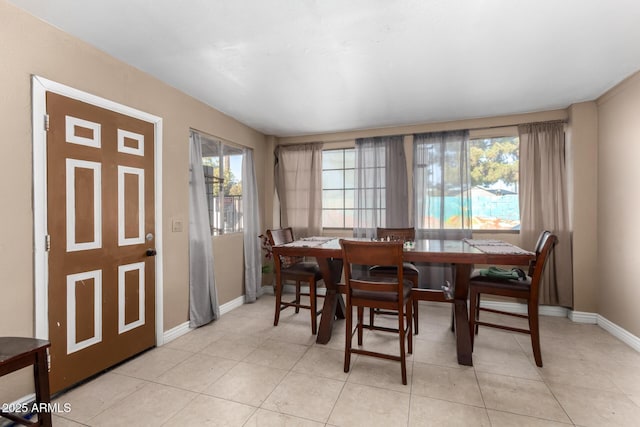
223, 179
494, 180
338, 187
494, 166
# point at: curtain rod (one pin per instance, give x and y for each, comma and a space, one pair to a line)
448, 130
518, 124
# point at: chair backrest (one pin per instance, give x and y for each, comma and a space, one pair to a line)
539, 244
372, 253
401, 234
280, 237
547, 244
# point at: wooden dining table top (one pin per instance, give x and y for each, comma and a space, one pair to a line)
463, 251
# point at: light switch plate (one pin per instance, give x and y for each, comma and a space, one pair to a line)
176, 226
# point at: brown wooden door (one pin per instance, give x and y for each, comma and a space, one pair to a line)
100, 219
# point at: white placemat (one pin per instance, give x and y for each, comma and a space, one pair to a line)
305, 243
489, 246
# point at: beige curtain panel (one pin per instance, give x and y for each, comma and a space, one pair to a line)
543, 205
299, 186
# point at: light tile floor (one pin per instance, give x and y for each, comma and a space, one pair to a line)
242, 371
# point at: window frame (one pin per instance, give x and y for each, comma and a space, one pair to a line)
217, 215
482, 133
344, 188
495, 133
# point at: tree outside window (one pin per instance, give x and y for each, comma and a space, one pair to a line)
494, 164
222, 165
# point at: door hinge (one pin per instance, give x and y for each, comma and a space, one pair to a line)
48, 361
47, 242
46, 122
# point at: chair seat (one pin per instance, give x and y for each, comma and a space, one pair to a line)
506, 284
407, 268
383, 296
303, 268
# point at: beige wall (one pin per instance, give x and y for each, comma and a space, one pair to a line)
29, 46
228, 271
582, 157
619, 204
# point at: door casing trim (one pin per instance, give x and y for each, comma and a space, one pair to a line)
39, 87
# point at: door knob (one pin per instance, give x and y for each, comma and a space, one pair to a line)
151, 252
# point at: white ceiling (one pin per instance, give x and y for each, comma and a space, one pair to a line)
294, 67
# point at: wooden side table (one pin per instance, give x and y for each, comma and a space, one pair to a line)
17, 353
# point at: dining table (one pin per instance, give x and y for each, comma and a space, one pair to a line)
461, 254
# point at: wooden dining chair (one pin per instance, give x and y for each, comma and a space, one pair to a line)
376, 292
17, 353
298, 271
527, 289
410, 271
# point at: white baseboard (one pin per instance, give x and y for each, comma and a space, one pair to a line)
620, 333
575, 316
234, 303
176, 332
513, 307
583, 317
184, 328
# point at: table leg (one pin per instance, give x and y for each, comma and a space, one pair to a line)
463, 338
333, 307
41, 380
